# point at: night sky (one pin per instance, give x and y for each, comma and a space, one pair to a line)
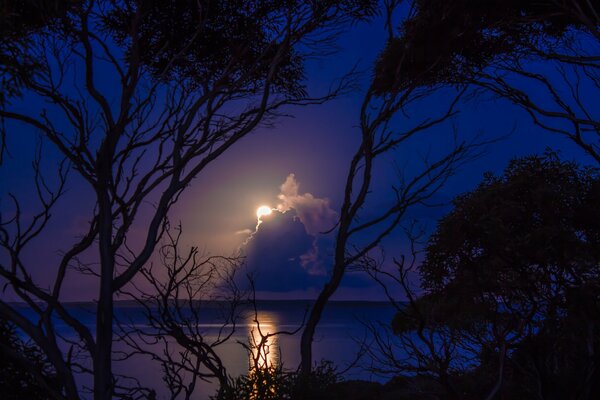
297, 167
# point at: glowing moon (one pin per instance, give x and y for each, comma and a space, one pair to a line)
263, 210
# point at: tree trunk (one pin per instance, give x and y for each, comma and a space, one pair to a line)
314, 318
104, 311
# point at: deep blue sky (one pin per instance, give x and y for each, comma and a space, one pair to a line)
286, 251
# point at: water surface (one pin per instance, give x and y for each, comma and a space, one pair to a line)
337, 339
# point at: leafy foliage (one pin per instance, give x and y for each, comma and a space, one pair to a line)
274, 383
448, 41
513, 273
19, 21
528, 238
199, 41
534, 229
19, 381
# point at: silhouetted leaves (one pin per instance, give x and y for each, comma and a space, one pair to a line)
202, 41
447, 41
19, 20
532, 230
513, 273
24, 373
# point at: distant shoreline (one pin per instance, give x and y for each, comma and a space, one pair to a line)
118, 303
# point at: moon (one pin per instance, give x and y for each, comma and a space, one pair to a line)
262, 211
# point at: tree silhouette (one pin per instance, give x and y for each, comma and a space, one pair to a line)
510, 287
361, 231
187, 80
543, 56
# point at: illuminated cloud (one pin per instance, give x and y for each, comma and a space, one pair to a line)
315, 213
275, 253
286, 251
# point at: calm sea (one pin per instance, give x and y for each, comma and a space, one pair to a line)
338, 338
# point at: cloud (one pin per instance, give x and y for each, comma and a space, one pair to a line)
286, 252
315, 213
275, 253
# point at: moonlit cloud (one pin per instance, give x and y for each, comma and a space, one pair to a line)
275, 251
315, 213
287, 250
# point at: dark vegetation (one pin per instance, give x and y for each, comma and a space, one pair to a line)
19, 22
511, 281
24, 371
506, 301
274, 382
452, 41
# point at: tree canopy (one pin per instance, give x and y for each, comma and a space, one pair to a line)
511, 282
449, 41
527, 238
199, 42
524, 232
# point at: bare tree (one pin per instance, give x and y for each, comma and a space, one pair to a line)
359, 232
543, 56
556, 80
178, 297
559, 95
191, 79
419, 341
266, 378
423, 348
